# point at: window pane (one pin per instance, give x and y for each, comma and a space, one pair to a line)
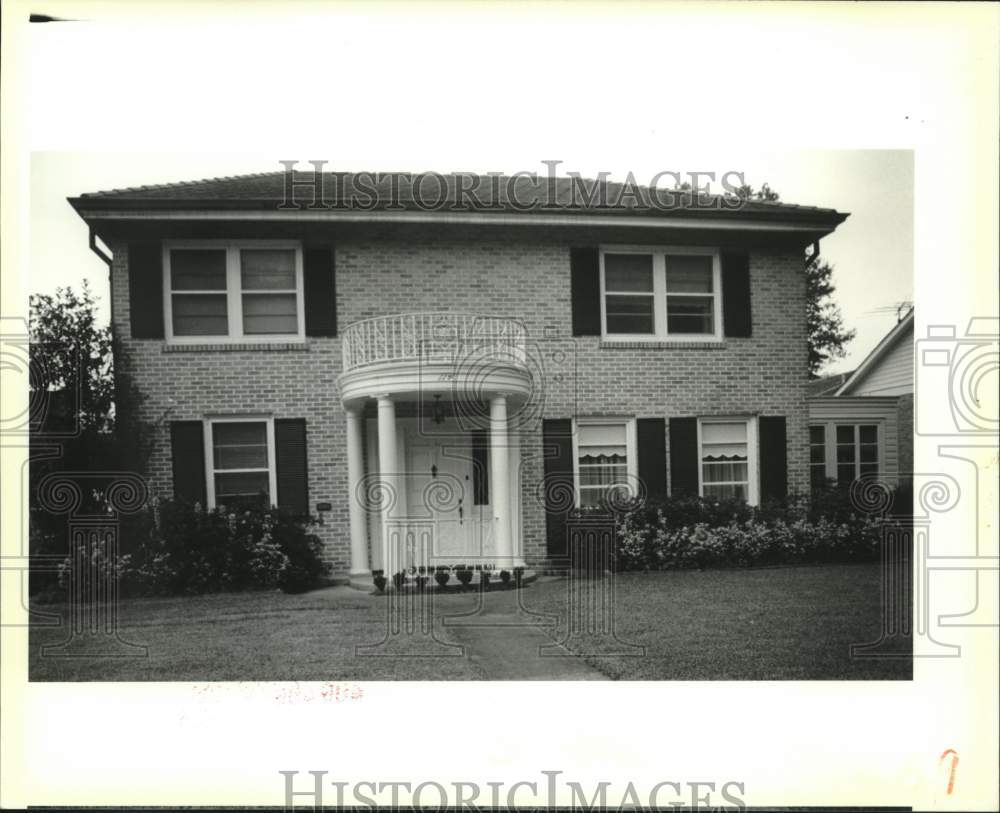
845, 434
869, 453
239, 445
845, 454
689, 274
199, 315
726, 492
201, 269
245, 488
734, 472
613, 471
869, 468
269, 313
732, 432
267, 269
690, 314
591, 497
628, 272
604, 434
868, 433
629, 314
817, 476
817, 434
845, 473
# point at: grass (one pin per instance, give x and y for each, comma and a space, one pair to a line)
792, 623
766, 624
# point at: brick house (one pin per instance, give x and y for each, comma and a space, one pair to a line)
490, 366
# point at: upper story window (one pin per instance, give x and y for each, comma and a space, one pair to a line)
233, 291
605, 459
728, 456
661, 293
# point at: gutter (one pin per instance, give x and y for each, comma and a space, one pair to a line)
109, 262
814, 256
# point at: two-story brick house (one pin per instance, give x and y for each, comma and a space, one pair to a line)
444, 383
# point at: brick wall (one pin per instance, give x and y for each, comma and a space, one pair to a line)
526, 278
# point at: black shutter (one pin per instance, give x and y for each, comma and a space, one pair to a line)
560, 497
684, 457
320, 291
650, 441
773, 458
736, 320
291, 465
187, 449
145, 290
585, 289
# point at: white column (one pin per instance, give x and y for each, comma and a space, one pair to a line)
517, 537
387, 465
500, 480
360, 565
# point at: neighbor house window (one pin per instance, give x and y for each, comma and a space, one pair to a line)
817, 456
233, 291
605, 460
857, 451
240, 461
728, 457
661, 293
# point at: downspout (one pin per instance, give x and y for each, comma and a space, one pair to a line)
109, 262
815, 255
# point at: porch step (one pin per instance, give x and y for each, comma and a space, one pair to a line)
365, 583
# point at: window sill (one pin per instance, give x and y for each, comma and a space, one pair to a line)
626, 344
237, 347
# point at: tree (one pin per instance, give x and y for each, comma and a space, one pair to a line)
827, 335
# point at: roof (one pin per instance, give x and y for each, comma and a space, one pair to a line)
881, 349
508, 194
827, 385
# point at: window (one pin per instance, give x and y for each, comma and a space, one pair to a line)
225, 292
728, 458
604, 450
817, 456
857, 451
240, 461
666, 293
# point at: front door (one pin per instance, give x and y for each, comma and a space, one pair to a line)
444, 490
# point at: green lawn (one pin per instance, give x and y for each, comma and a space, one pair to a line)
793, 623
767, 624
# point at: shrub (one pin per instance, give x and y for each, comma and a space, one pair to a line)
463, 574
399, 579
691, 533
442, 577
505, 576
174, 548
378, 577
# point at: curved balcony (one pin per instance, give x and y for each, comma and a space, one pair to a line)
442, 351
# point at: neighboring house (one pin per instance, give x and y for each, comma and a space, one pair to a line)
864, 424
492, 367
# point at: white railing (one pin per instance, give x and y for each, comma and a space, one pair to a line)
443, 336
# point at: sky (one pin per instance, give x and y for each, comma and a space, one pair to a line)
872, 252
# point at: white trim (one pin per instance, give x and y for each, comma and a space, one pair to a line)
631, 463
505, 219
753, 467
659, 294
234, 293
887, 343
210, 470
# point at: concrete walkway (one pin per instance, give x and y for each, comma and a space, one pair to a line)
507, 643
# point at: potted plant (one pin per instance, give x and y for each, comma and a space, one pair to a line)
484, 578
378, 577
399, 579
505, 577
518, 575
421, 582
464, 574
442, 576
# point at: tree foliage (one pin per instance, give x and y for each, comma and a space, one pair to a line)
827, 335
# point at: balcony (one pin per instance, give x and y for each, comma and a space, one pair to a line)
434, 352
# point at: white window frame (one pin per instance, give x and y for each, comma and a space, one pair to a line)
234, 293
211, 471
631, 464
659, 254
831, 445
753, 469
